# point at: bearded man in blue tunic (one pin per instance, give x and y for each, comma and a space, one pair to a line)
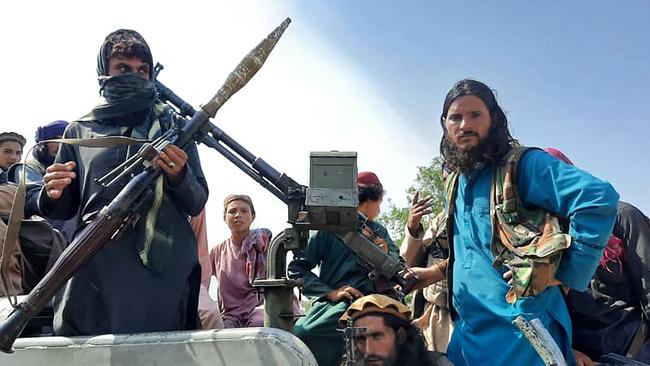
475, 142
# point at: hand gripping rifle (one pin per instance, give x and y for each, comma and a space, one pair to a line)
122, 211
381, 266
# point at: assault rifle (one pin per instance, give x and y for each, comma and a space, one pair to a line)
124, 209
374, 259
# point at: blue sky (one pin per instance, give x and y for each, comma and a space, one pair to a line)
365, 76
570, 74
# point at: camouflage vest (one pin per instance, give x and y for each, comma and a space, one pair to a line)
526, 240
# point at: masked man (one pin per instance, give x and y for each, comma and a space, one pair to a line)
45, 153
147, 280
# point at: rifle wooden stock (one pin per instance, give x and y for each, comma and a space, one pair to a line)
84, 246
114, 217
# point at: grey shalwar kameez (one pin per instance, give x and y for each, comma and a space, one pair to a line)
115, 292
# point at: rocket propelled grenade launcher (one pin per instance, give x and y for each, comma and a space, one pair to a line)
329, 203
239, 77
122, 211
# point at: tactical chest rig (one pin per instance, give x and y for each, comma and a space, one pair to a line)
526, 240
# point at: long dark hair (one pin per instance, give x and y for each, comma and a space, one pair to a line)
498, 142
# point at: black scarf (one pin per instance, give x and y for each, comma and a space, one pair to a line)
123, 95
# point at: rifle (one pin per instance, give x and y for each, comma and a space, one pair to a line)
122, 211
350, 333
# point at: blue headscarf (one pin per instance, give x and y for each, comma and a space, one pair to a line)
50, 130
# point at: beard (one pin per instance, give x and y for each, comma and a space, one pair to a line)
465, 160
43, 155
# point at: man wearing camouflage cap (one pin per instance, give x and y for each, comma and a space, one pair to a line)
341, 278
388, 338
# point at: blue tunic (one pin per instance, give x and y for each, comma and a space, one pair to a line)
484, 334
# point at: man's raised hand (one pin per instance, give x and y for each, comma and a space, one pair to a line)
419, 208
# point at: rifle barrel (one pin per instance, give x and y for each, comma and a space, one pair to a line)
111, 218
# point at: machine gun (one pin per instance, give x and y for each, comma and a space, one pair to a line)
123, 210
329, 203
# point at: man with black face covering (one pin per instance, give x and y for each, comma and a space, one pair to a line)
147, 280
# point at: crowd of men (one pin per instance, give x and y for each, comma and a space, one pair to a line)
524, 233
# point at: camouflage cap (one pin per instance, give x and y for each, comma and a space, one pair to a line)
375, 304
12, 136
124, 41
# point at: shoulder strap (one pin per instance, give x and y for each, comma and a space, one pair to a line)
451, 185
504, 184
17, 211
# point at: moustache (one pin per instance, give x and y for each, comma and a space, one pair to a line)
467, 134
374, 358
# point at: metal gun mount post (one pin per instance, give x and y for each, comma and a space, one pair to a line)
350, 333
330, 202
307, 207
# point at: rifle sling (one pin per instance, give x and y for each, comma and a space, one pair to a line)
17, 212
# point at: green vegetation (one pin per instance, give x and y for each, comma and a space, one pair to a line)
428, 182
